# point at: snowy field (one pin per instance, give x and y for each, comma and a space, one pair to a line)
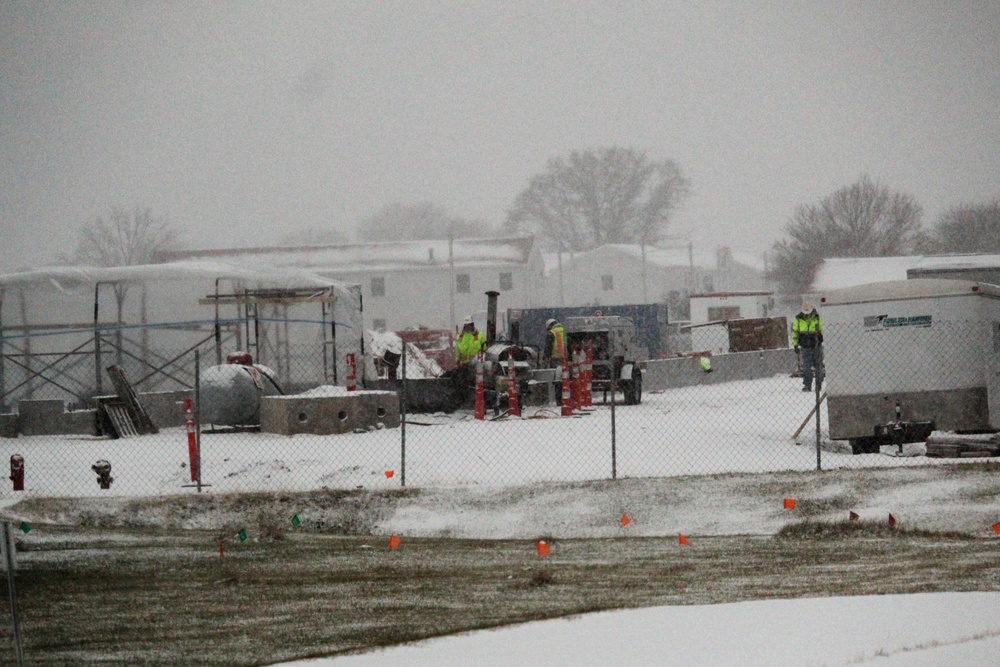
523, 477
936, 630
728, 428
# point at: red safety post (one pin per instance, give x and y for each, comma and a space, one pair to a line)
352, 372
17, 471
588, 375
192, 438
575, 384
480, 413
513, 405
567, 399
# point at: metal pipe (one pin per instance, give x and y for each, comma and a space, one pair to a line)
97, 338
491, 317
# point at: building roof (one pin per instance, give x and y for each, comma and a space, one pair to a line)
896, 290
684, 257
839, 272
364, 257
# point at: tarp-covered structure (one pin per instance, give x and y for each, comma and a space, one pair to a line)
62, 326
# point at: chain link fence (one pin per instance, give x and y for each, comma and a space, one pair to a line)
886, 390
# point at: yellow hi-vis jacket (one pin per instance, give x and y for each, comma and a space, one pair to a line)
807, 330
558, 350
468, 345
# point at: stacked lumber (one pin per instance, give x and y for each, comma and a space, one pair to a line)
945, 444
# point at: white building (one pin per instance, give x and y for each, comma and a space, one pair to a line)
720, 306
619, 273
429, 283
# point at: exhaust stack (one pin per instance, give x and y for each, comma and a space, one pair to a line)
491, 317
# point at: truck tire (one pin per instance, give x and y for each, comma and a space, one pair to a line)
633, 388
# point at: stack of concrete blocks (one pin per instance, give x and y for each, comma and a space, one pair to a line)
344, 412
50, 417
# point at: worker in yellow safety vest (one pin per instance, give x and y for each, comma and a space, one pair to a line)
470, 342
555, 344
807, 335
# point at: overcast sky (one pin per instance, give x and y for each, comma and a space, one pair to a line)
243, 121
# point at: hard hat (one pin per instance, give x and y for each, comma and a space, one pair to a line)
806, 307
549, 322
468, 320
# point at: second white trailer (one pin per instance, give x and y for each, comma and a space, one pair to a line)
900, 354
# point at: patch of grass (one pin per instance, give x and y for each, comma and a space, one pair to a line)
837, 530
125, 596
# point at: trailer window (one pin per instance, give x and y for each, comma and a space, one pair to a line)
608, 282
463, 284
723, 313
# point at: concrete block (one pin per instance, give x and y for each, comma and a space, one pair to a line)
49, 417
8, 426
326, 415
686, 372
165, 408
83, 422
40, 416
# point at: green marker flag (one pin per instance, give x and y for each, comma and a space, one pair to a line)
242, 535
25, 528
296, 521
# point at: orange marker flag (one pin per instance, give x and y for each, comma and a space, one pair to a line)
543, 548
389, 474
854, 516
892, 520
996, 528
683, 540
625, 520
394, 541
789, 503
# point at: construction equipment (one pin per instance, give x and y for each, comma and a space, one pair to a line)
613, 341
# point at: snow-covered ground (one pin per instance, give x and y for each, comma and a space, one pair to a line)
933, 630
733, 427
536, 475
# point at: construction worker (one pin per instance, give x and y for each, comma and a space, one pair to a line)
469, 343
555, 344
807, 334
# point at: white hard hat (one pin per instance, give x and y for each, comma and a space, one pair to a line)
549, 322
806, 307
468, 320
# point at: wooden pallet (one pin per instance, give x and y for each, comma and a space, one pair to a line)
956, 445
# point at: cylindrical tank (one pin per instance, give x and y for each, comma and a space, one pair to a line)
499, 356
231, 393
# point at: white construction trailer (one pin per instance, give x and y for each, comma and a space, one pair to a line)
908, 357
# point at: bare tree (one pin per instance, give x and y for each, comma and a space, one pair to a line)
865, 219
125, 238
409, 222
967, 228
608, 195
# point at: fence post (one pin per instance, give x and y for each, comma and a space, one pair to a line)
614, 427
197, 412
819, 450
10, 564
402, 424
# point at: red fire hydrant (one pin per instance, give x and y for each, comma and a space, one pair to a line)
17, 471
352, 372
103, 470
